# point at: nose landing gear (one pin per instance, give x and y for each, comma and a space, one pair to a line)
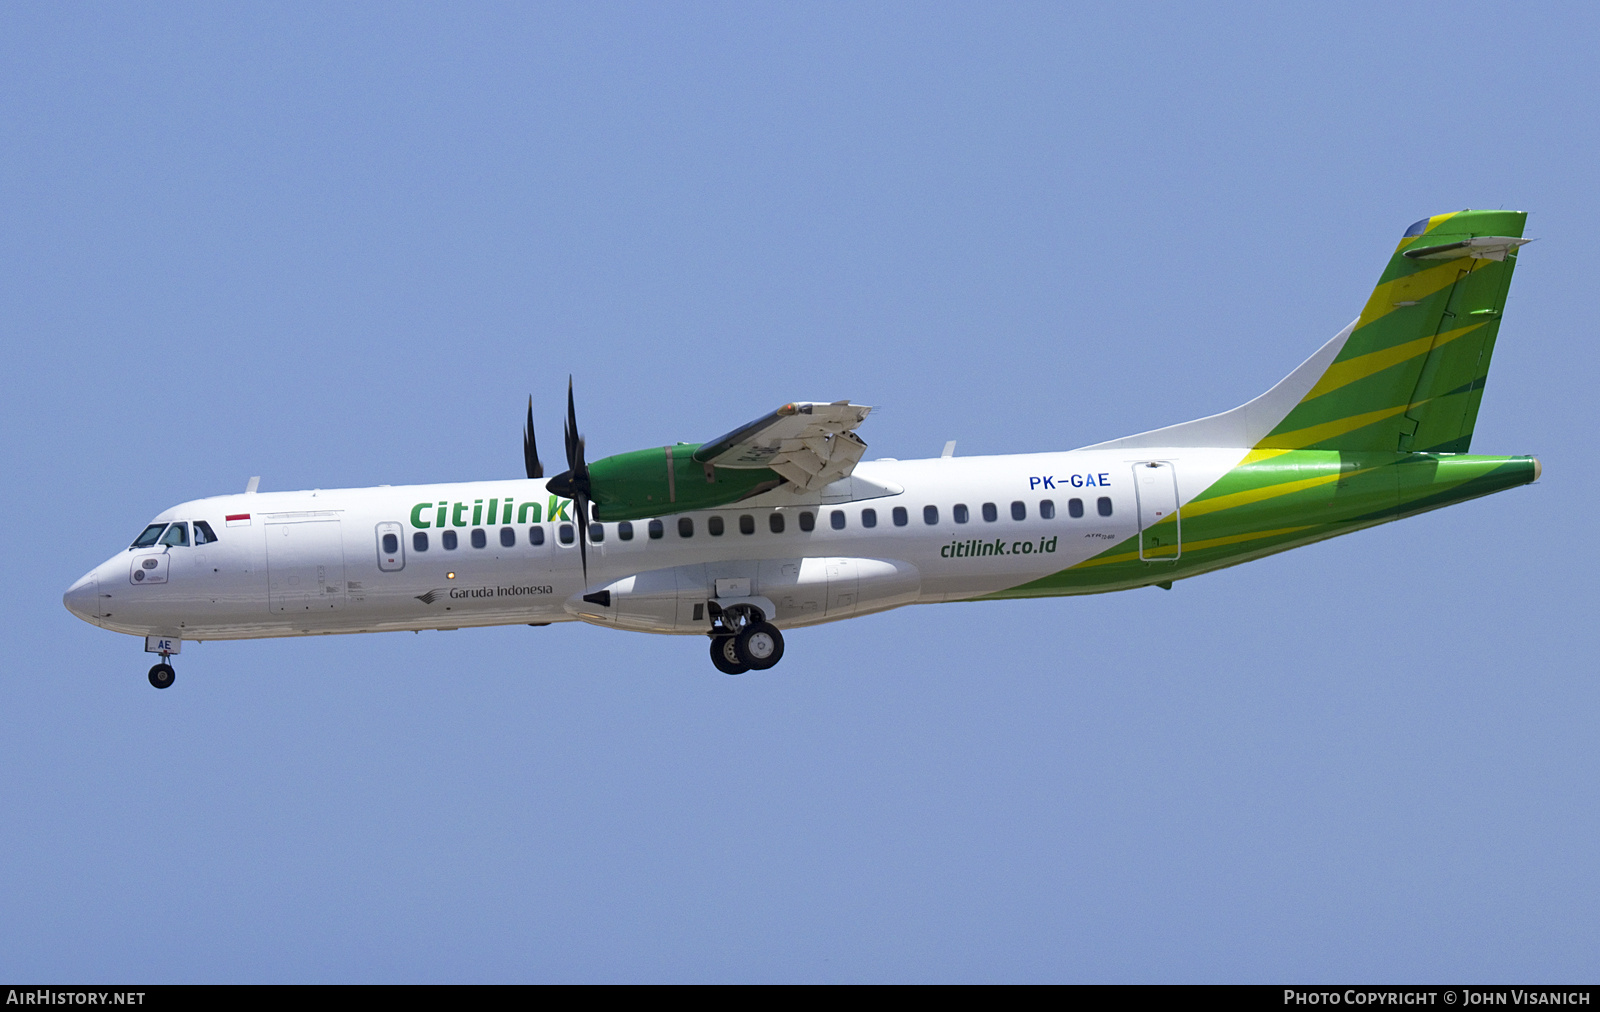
162, 675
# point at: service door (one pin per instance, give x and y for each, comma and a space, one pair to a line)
305, 567
1155, 482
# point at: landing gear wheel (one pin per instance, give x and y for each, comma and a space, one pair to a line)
760, 646
725, 657
162, 675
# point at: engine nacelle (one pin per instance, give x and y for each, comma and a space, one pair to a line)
789, 592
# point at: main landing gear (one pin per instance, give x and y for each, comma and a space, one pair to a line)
162, 675
743, 640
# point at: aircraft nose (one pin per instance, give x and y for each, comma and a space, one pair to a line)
83, 597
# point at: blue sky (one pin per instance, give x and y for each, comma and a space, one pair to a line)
340, 245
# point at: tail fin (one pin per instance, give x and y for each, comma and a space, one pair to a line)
1408, 374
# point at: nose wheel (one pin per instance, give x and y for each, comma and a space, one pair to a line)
162, 675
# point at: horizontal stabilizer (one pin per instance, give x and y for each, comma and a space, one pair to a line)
1485, 247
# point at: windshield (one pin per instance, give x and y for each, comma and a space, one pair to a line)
149, 536
177, 536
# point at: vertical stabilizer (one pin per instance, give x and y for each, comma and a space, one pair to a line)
1408, 374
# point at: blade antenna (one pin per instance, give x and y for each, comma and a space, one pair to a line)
530, 447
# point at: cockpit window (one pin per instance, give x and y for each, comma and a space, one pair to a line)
177, 535
1417, 228
149, 536
203, 534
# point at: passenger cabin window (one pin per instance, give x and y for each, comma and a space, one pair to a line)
419, 541
203, 534
657, 530
564, 534
148, 536
990, 514
1074, 508
597, 533
448, 540
869, 518
900, 517
960, 512
535, 535
625, 530
685, 527
714, 527
1019, 511
1047, 509
747, 524
930, 515
508, 537
1104, 506
177, 536
836, 520
391, 544
808, 520
775, 523
480, 539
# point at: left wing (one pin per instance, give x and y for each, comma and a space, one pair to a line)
810, 443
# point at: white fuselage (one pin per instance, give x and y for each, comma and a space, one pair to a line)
307, 563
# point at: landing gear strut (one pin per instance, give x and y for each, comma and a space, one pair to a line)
162, 675
743, 640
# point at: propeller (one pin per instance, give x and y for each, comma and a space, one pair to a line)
530, 448
573, 483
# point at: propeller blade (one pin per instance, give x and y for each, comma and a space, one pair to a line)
574, 482
581, 504
574, 441
530, 448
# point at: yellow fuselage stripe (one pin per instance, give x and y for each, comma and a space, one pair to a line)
1255, 495
1195, 546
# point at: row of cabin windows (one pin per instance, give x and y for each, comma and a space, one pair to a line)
716, 526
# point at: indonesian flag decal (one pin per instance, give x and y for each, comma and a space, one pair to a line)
238, 520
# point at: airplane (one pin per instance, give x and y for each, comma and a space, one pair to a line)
782, 523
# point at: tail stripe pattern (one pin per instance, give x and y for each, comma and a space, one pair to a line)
1373, 427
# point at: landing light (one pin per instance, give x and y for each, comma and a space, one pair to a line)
449, 576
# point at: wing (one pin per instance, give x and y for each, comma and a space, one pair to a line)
810, 443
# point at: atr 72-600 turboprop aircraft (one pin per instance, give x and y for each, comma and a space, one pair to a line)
781, 524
